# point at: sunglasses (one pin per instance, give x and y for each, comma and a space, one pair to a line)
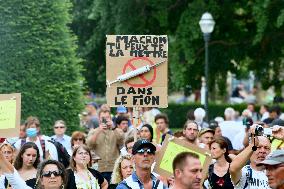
62, 127
49, 173
148, 151
78, 139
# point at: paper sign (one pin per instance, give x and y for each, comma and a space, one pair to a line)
7, 114
171, 148
128, 53
10, 110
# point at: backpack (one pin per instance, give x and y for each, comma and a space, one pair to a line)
63, 156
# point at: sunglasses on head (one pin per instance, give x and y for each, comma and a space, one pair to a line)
49, 173
148, 151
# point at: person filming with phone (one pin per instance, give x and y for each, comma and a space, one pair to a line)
106, 142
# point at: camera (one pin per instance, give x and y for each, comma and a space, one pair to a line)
260, 131
104, 120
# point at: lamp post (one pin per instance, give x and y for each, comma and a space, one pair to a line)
207, 26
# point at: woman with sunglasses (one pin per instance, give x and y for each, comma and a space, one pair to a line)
78, 138
80, 175
50, 175
123, 168
8, 152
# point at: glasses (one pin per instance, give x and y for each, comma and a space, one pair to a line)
7, 152
148, 151
49, 173
60, 127
78, 139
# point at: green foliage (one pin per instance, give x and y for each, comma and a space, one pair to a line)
38, 60
248, 36
177, 113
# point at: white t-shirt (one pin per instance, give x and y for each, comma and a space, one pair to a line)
48, 147
2, 181
258, 179
231, 128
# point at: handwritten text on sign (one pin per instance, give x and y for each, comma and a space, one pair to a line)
138, 46
7, 114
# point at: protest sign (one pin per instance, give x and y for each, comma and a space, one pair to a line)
171, 148
137, 70
10, 113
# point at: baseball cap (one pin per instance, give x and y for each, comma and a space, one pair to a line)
142, 143
274, 158
94, 104
277, 122
205, 131
121, 109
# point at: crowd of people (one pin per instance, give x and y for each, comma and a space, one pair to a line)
247, 151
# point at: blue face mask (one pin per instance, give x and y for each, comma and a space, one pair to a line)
31, 132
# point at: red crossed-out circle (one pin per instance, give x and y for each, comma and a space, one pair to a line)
145, 82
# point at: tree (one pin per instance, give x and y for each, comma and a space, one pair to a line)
248, 36
38, 60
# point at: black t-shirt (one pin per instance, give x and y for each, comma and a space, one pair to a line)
71, 184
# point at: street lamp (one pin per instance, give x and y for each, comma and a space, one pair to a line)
207, 26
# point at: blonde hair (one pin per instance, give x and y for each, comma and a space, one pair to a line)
116, 176
7, 145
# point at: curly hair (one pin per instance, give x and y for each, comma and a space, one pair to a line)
116, 176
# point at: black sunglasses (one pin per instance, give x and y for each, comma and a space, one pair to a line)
49, 173
148, 151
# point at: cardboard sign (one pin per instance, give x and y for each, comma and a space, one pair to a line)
128, 53
10, 113
171, 148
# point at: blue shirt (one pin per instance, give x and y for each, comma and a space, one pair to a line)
136, 179
65, 141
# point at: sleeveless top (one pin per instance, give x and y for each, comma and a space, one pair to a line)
217, 182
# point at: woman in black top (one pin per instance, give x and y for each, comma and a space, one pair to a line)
80, 175
26, 163
218, 174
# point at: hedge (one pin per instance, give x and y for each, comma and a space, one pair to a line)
38, 60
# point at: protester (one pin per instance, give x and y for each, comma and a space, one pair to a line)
199, 115
205, 137
146, 132
47, 150
122, 122
92, 116
162, 122
50, 175
128, 145
254, 115
59, 129
78, 138
80, 175
218, 174
264, 112
106, 142
274, 166
143, 157
274, 113
250, 175
187, 171
123, 168
26, 163
190, 132
8, 152
276, 143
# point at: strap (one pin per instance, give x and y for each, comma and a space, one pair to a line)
23, 141
210, 172
42, 143
157, 184
125, 184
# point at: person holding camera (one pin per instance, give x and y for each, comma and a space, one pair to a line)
105, 141
251, 176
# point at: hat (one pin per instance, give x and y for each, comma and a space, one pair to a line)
275, 158
203, 131
94, 104
142, 144
121, 109
277, 122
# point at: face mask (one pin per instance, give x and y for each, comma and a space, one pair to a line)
31, 132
